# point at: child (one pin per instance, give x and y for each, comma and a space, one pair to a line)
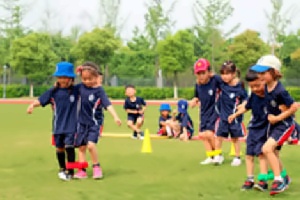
281, 123
63, 98
164, 120
206, 92
135, 108
92, 97
232, 94
257, 131
185, 130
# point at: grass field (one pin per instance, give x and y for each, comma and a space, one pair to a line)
28, 170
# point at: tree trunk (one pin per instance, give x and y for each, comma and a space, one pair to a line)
159, 80
106, 75
175, 85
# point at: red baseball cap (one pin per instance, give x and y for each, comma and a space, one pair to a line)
201, 65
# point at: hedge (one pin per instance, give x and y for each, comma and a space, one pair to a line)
14, 91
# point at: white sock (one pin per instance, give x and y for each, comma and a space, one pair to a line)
169, 131
278, 178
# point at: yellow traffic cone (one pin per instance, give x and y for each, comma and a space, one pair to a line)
146, 148
232, 150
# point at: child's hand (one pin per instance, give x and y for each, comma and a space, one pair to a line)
30, 109
118, 121
231, 118
273, 119
141, 112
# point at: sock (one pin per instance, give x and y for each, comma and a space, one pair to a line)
96, 165
270, 175
210, 154
262, 177
169, 131
135, 134
278, 178
218, 152
61, 156
70, 157
250, 178
283, 173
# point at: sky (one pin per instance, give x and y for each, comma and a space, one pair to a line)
84, 13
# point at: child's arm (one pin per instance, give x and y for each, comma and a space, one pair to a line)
35, 103
114, 114
142, 111
273, 119
241, 110
194, 102
131, 111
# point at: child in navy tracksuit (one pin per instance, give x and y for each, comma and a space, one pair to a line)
135, 108
165, 120
257, 131
185, 129
281, 123
92, 99
232, 94
63, 98
206, 92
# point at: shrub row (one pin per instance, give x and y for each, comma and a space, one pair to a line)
14, 91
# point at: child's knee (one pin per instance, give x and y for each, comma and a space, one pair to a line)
250, 158
60, 149
129, 123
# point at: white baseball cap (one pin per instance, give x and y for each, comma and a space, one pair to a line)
267, 62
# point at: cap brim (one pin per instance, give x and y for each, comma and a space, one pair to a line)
260, 68
65, 75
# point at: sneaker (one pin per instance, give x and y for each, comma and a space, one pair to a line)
261, 186
218, 160
287, 180
81, 175
207, 161
236, 162
135, 137
277, 187
248, 185
63, 176
97, 173
141, 135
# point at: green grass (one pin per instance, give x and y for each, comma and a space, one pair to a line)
29, 170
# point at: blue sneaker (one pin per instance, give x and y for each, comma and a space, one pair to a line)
141, 135
277, 187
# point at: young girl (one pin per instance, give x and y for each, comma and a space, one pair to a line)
63, 98
281, 123
135, 108
92, 97
206, 92
232, 94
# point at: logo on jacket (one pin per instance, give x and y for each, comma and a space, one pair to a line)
91, 97
72, 98
210, 92
232, 95
273, 103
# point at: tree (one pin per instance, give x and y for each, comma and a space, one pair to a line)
32, 56
176, 54
246, 49
98, 46
158, 26
278, 23
210, 18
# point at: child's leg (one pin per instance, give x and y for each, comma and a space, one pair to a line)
269, 152
139, 124
250, 167
93, 152
61, 158
132, 126
237, 146
70, 150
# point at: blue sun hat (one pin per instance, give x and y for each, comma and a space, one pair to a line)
165, 106
182, 106
64, 69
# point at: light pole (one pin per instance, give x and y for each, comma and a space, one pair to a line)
4, 81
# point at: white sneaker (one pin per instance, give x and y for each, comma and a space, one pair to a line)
218, 160
207, 161
63, 176
236, 162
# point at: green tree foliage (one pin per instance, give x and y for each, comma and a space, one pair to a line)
176, 54
246, 49
33, 56
210, 38
98, 46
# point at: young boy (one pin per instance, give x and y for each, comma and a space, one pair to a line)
185, 130
164, 120
135, 108
257, 131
